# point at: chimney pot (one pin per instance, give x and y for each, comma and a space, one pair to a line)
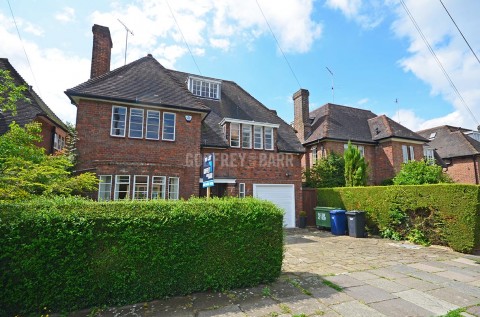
101, 50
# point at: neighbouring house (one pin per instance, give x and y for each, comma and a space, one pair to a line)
384, 143
457, 150
144, 129
54, 131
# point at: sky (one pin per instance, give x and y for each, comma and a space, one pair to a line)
378, 59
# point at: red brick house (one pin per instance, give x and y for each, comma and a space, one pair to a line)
457, 150
54, 132
144, 130
384, 143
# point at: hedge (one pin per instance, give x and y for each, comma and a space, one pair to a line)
448, 214
65, 254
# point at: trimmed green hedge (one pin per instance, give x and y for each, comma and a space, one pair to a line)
447, 214
66, 254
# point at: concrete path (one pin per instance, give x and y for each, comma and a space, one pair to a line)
327, 275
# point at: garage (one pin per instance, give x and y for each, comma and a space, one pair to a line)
282, 195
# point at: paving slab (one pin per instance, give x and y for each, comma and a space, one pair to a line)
417, 283
363, 275
426, 301
328, 296
426, 267
464, 287
398, 307
454, 296
387, 285
430, 277
308, 306
387, 273
344, 280
474, 310
261, 308
227, 311
368, 294
456, 276
356, 309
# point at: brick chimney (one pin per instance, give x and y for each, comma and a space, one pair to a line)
101, 50
301, 121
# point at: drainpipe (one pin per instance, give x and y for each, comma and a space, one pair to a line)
475, 169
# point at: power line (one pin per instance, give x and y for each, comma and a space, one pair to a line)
278, 44
438, 61
471, 49
184, 40
24, 51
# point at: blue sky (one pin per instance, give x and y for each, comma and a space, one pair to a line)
372, 48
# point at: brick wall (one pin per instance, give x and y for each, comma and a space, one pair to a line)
384, 159
462, 170
48, 132
258, 167
108, 155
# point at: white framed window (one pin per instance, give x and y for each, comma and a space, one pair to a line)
429, 156
56, 142
241, 190
153, 125
257, 137
246, 136
361, 148
122, 187
234, 134
158, 187
168, 132
407, 153
119, 120
140, 187
314, 154
268, 138
104, 187
224, 129
204, 88
173, 188
136, 123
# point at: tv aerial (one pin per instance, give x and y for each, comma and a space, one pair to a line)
127, 30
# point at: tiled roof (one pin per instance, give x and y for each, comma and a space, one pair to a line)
339, 122
382, 127
146, 81
236, 103
26, 111
451, 141
143, 81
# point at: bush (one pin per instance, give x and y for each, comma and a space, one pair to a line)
326, 172
355, 167
70, 253
445, 214
420, 172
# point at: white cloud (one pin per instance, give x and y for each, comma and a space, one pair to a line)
451, 50
368, 14
66, 15
363, 101
222, 44
55, 71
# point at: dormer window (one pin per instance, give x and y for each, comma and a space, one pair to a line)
204, 88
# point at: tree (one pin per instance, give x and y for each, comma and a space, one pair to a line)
26, 171
10, 93
420, 172
355, 167
326, 172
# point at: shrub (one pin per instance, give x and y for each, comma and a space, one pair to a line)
326, 172
69, 253
355, 167
420, 172
445, 214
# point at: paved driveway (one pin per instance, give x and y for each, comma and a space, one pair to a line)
326, 275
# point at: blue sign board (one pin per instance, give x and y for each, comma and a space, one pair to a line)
207, 172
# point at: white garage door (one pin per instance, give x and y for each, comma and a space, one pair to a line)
282, 195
